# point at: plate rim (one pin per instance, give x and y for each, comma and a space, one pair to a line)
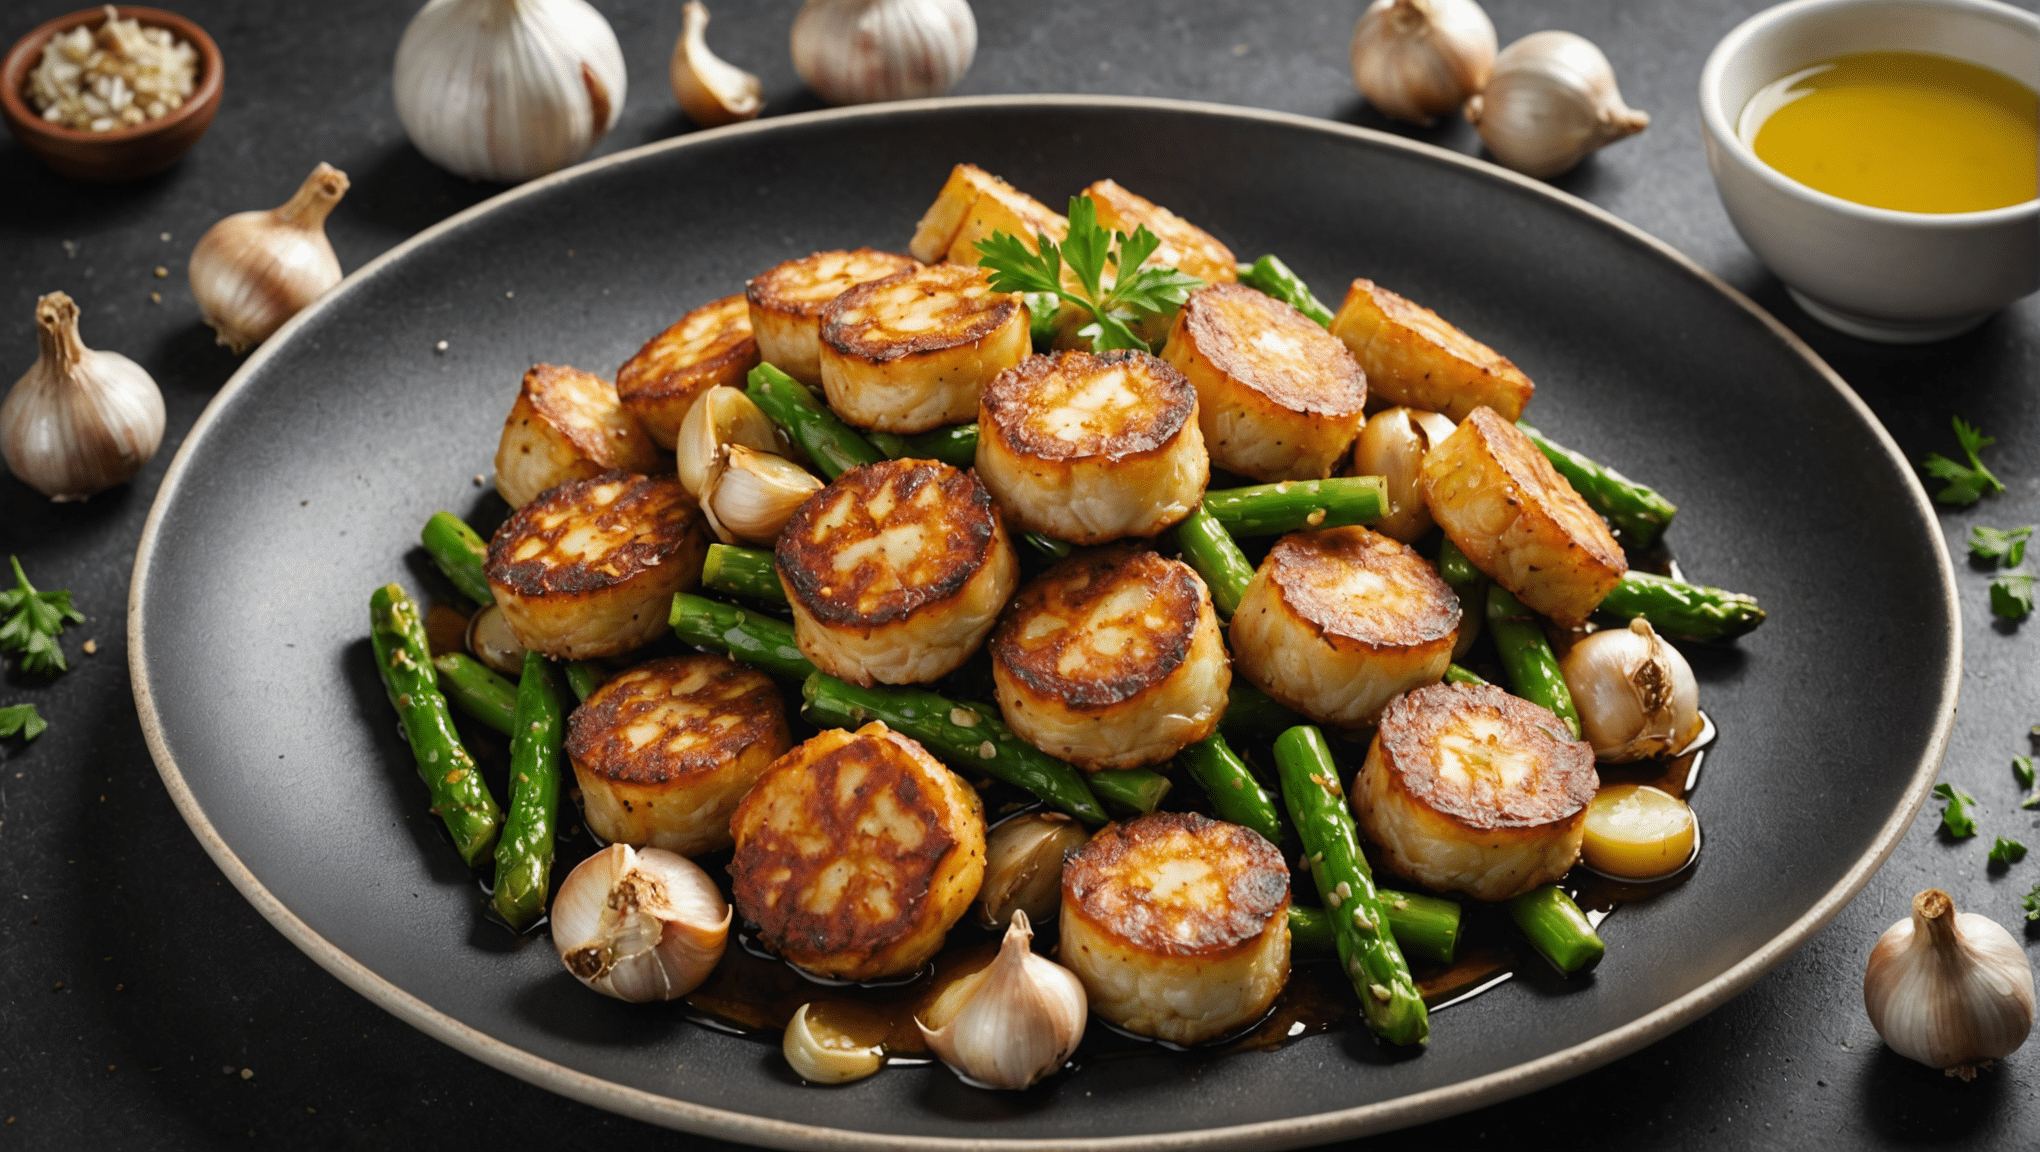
1398, 1112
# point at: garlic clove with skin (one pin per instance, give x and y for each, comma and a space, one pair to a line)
254, 270
640, 924
864, 51
79, 421
722, 415
750, 495
1419, 59
1015, 1022
710, 90
1551, 101
1393, 445
1635, 693
1024, 864
1951, 990
832, 1044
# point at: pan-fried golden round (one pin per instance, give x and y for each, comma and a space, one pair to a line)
1414, 357
1278, 398
972, 205
911, 352
895, 572
1336, 622
1092, 447
1519, 521
1178, 925
856, 852
709, 346
567, 425
590, 567
664, 751
1111, 659
786, 302
1469, 789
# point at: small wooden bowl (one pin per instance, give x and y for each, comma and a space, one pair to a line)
120, 153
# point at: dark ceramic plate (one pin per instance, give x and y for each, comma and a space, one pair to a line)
304, 485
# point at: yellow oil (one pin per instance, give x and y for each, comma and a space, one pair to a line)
1903, 130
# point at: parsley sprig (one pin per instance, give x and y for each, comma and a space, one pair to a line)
2007, 851
2031, 903
1966, 485
21, 720
2005, 546
1089, 250
1955, 818
2011, 595
31, 621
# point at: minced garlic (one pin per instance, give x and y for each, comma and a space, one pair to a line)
118, 77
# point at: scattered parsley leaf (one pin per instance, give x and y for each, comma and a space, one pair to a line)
2022, 770
21, 720
2007, 851
1966, 485
1089, 250
2031, 903
2032, 801
2011, 595
1955, 818
30, 622
2006, 545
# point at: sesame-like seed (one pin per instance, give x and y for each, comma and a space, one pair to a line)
1316, 517
1360, 919
963, 717
1333, 899
1380, 992
1345, 890
986, 751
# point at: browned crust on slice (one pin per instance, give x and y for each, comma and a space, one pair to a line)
1018, 399
793, 288
709, 346
1531, 472
1312, 571
736, 708
1110, 883
657, 512
546, 385
851, 328
1069, 591
1223, 320
953, 510
1413, 724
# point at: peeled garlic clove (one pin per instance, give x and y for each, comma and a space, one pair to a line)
1024, 864
1635, 693
640, 924
749, 496
490, 640
508, 89
723, 415
823, 1051
1552, 99
1419, 59
1393, 446
1018, 1021
863, 51
711, 91
78, 421
1952, 991
254, 270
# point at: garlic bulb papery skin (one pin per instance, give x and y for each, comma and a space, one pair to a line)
723, 415
508, 89
640, 924
1393, 445
710, 90
1951, 990
1023, 866
78, 421
864, 51
1017, 1021
1635, 693
749, 496
1551, 100
254, 270
1419, 59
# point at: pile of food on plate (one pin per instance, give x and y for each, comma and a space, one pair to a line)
1035, 522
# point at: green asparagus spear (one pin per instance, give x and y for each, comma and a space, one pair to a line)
1456, 674
1367, 950
460, 553
1426, 927
524, 856
743, 571
1557, 928
1296, 505
834, 446
1048, 546
1138, 791
1527, 658
1638, 511
1207, 547
585, 677
1235, 795
960, 734
955, 445
477, 690
746, 636
1270, 275
459, 796
1680, 610
1468, 583
1252, 711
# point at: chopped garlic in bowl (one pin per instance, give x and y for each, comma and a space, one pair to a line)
120, 76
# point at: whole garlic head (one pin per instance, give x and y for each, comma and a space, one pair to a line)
1552, 99
254, 270
640, 924
78, 421
864, 51
1014, 1023
1419, 59
1951, 990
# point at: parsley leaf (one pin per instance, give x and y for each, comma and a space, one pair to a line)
2007, 545
2007, 851
1966, 485
2031, 903
1088, 250
30, 622
1955, 818
2011, 595
2022, 770
21, 720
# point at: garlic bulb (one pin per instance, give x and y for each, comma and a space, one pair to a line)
1024, 865
1015, 1022
1952, 991
640, 924
1393, 446
1552, 99
508, 89
711, 91
832, 1044
1418, 59
78, 421
749, 496
863, 51
722, 415
254, 270
1635, 693
490, 640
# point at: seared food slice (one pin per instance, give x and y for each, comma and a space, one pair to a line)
590, 567
1278, 397
664, 751
567, 425
709, 346
1178, 925
895, 572
972, 205
1414, 357
1516, 518
1185, 247
1111, 659
1335, 623
856, 852
1469, 789
910, 352
786, 302
1092, 447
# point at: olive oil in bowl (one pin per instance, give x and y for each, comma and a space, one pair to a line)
1903, 130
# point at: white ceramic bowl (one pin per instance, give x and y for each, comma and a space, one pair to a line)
1900, 277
